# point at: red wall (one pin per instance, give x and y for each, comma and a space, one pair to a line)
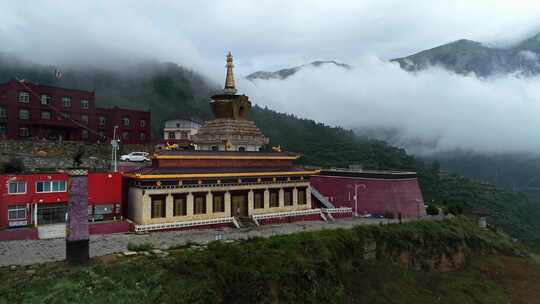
375, 196
104, 188
30, 196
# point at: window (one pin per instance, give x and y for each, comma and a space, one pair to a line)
302, 197
24, 114
218, 203
142, 136
50, 186
17, 187
184, 134
17, 213
84, 119
142, 123
24, 132
215, 148
242, 149
101, 134
3, 129
180, 206
45, 99
258, 198
46, 115
158, 207
125, 135
64, 115
84, 104
126, 121
171, 135
200, 205
102, 120
287, 197
66, 102
274, 198
84, 134
24, 97
3, 112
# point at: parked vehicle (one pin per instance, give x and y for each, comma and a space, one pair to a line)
136, 157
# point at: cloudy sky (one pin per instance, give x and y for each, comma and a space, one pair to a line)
262, 34
451, 111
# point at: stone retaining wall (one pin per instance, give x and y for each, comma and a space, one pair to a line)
59, 155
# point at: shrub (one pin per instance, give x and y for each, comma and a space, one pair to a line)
455, 209
432, 210
14, 165
140, 247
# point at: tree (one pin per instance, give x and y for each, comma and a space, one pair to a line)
432, 210
14, 165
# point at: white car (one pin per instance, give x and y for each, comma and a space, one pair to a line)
135, 157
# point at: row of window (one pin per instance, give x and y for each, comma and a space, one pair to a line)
24, 114
85, 135
158, 203
45, 99
20, 187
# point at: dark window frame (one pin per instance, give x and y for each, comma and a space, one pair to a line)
218, 202
161, 211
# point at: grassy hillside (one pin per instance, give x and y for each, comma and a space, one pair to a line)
333, 266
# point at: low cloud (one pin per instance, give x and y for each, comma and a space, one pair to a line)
431, 111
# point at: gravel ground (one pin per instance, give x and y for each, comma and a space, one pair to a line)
40, 251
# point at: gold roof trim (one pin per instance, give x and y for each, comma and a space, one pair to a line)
246, 157
205, 175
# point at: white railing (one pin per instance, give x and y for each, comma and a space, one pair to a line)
286, 214
174, 225
337, 210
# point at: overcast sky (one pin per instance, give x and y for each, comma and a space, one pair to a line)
261, 34
446, 110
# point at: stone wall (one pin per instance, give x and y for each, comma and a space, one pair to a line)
59, 155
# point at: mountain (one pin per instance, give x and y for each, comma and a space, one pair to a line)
285, 73
467, 56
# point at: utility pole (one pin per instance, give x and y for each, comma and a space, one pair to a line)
114, 144
356, 196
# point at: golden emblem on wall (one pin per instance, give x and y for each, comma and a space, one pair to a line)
228, 145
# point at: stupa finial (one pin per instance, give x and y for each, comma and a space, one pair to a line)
230, 88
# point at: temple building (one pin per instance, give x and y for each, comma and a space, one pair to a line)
226, 180
230, 130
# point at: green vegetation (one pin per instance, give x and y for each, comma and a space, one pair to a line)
14, 165
332, 266
140, 247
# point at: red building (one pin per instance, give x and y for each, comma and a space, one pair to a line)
372, 192
25, 196
29, 110
45, 196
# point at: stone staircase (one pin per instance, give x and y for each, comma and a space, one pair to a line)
245, 222
321, 198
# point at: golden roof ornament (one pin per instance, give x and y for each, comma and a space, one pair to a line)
230, 87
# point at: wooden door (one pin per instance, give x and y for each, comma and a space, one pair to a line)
239, 205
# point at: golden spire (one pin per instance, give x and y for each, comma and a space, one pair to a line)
229, 81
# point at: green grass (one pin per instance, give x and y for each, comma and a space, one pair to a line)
313, 267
